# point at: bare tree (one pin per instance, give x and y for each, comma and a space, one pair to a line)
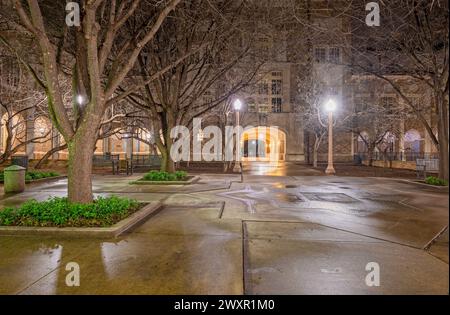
311, 97
16, 102
104, 53
411, 42
210, 33
376, 123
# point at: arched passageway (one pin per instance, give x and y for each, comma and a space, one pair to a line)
17, 127
263, 144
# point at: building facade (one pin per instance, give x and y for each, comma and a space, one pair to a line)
273, 102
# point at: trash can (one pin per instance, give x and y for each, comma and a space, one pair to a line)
21, 160
14, 179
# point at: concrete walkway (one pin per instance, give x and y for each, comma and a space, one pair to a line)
268, 235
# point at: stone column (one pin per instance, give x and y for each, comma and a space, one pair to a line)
106, 145
401, 141
128, 144
29, 125
352, 144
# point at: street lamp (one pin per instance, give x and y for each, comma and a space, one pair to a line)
330, 107
237, 104
80, 99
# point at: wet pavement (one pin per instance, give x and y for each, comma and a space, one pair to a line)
275, 233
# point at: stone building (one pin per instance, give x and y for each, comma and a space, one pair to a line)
273, 102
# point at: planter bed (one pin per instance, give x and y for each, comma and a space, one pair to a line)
43, 178
189, 180
46, 179
423, 183
115, 230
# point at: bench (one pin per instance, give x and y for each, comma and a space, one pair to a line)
426, 165
143, 162
107, 159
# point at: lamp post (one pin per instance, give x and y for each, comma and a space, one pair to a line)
330, 107
237, 104
80, 100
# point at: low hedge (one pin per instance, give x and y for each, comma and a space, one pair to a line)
431, 180
33, 175
160, 176
58, 212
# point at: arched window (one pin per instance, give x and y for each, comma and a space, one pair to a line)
413, 141
43, 134
17, 127
388, 142
361, 144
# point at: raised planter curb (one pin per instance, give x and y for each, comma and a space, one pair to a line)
85, 232
46, 179
424, 184
193, 180
42, 180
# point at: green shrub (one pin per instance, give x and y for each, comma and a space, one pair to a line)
181, 175
164, 176
59, 212
436, 181
32, 175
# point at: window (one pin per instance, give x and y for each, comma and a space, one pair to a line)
264, 100
264, 47
388, 104
320, 54
251, 108
276, 105
277, 74
334, 55
263, 88
207, 97
263, 108
277, 87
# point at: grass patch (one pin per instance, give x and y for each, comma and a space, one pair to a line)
431, 180
33, 175
58, 212
159, 176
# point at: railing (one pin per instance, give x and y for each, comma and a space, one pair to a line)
397, 156
142, 161
424, 165
107, 159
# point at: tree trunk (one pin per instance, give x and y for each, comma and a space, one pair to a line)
443, 159
315, 151
80, 169
370, 150
315, 157
443, 136
167, 164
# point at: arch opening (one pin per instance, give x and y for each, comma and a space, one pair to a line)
263, 144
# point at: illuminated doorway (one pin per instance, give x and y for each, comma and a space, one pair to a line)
263, 144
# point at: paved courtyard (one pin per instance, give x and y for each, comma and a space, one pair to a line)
282, 234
